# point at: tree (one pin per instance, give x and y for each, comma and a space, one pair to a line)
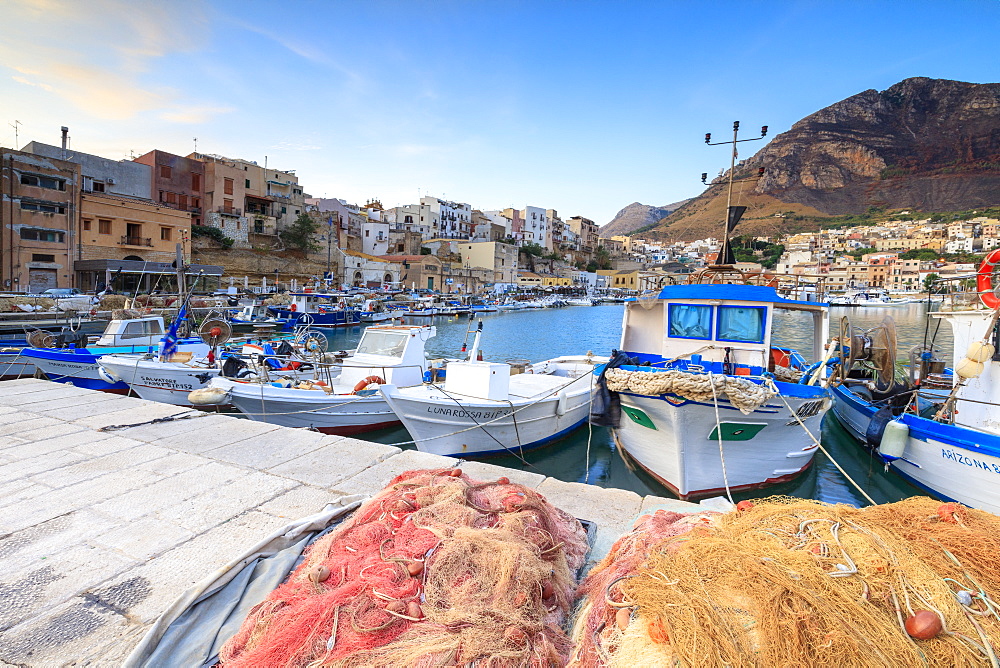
929, 285
299, 235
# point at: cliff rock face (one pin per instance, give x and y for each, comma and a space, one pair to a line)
930, 144
925, 144
637, 215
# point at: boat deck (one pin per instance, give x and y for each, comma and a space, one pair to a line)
114, 506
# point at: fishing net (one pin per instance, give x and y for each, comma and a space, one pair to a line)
437, 569
788, 582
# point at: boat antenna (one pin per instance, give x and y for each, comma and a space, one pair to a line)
733, 213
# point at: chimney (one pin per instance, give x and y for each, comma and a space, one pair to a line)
65, 136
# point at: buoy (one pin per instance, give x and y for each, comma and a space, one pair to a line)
894, 440
319, 574
744, 505
623, 617
924, 625
365, 382
415, 568
215, 332
413, 610
968, 368
396, 606
980, 351
207, 396
107, 376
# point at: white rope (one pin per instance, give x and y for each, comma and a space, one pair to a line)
718, 433
820, 446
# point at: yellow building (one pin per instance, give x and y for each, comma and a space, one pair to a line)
494, 255
556, 281
120, 227
621, 279
528, 279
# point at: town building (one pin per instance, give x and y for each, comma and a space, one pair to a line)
495, 255
586, 229
38, 214
176, 182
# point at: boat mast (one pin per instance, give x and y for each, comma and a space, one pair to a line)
733, 214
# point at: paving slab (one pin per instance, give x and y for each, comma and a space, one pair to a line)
132, 415
221, 503
52, 445
674, 505
269, 449
487, 471
92, 467
613, 510
336, 460
215, 431
300, 501
371, 480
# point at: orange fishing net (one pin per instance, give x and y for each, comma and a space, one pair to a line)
437, 569
798, 583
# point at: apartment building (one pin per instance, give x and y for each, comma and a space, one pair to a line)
495, 255
38, 214
176, 182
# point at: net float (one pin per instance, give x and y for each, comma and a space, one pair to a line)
744, 506
515, 635
503, 480
415, 568
623, 617
455, 473
397, 607
319, 574
413, 610
548, 591
924, 625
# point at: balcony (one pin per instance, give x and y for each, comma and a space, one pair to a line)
229, 211
136, 241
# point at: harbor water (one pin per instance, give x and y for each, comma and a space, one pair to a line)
589, 455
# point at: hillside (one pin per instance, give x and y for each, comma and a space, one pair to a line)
637, 215
924, 144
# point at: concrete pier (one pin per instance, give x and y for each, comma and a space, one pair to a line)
101, 530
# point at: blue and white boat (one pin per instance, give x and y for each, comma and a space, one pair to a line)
710, 400
945, 441
325, 309
78, 365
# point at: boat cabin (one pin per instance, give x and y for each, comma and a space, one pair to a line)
394, 353
317, 302
146, 331
714, 326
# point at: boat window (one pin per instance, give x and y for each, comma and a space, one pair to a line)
376, 342
141, 329
690, 321
741, 323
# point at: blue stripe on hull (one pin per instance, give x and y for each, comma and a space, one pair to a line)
89, 383
518, 448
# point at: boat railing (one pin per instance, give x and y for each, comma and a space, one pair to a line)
787, 285
959, 293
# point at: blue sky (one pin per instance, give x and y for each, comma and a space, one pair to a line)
579, 106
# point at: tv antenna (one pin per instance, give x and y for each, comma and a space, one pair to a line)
14, 125
733, 213
195, 144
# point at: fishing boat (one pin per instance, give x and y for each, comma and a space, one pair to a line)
75, 362
374, 310
334, 398
872, 298
942, 432
710, 401
324, 309
485, 408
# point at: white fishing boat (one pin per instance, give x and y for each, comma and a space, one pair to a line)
875, 297
339, 398
709, 401
374, 310
944, 436
485, 408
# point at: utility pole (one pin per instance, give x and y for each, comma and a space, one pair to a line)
733, 214
181, 279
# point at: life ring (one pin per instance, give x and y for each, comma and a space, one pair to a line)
293, 308
365, 382
984, 280
341, 304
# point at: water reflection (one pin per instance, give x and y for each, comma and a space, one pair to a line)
542, 334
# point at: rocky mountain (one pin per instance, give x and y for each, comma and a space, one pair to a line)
923, 144
637, 215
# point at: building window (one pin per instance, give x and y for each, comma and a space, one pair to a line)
182, 201
104, 226
44, 207
171, 198
42, 234
239, 225
164, 234
195, 203
97, 187
227, 186
42, 182
164, 171
248, 183
196, 182
227, 206
86, 225
38, 257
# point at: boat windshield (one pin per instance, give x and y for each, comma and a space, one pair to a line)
381, 342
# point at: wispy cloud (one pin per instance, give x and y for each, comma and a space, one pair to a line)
304, 50
94, 54
294, 146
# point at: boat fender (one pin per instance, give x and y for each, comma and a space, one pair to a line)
968, 368
365, 382
876, 427
107, 376
207, 396
894, 438
562, 404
